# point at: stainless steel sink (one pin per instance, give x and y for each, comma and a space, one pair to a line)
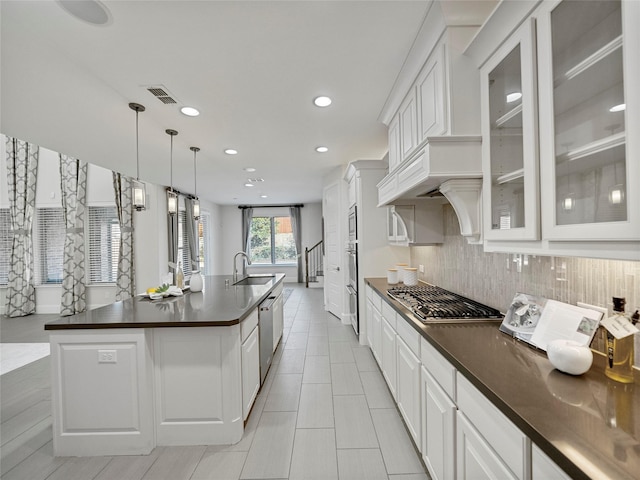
255, 280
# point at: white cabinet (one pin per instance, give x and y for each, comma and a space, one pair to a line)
397, 229
250, 371
394, 143
376, 335
589, 72
389, 355
509, 134
278, 320
475, 460
408, 125
408, 388
438, 428
430, 93
543, 468
352, 192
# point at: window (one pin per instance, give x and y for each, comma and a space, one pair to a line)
271, 241
104, 244
49, 231
204, 242
6, 241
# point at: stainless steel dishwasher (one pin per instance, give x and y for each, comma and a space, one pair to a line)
265, 324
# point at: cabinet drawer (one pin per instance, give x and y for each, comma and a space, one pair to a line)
439, 368
410, 336
376, 301
277, 290
504, 437
543, 468
248, 324
389, 314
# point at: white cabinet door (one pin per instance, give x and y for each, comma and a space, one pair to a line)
278, 320
438, 429
408, 388
589, 101
431, 97
250, 371
376, 335
543, 468
408, 125
394, 143
475, 460
510, 140
389, 355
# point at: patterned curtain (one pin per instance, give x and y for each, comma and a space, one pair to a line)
247, 216
125, 282
296, 225
73, 185
22, 170
192, 234
172, 232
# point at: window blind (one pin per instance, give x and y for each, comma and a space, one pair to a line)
49, 231
6, 240
104, 244
204, 242
183, 244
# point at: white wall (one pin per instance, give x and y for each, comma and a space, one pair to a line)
311, 228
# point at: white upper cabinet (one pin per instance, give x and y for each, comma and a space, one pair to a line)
589, 100
430, 96
394, 143
509, 140
408, 125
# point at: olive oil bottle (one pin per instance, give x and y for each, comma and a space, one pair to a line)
619, 344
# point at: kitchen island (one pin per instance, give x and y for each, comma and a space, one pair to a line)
500, 407
139, 373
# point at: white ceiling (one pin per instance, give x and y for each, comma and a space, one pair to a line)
251, 67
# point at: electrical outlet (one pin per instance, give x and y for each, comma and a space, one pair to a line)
421, 268
107, 356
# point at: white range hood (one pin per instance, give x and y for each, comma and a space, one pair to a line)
450, 164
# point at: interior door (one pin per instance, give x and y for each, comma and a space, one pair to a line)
333, 280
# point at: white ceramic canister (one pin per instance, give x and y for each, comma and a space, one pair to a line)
392, 276
410, 276
195, 285
400, 267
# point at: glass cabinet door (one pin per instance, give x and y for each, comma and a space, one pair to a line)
510, 162
583, 122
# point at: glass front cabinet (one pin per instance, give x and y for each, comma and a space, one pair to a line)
588, 60
509, 133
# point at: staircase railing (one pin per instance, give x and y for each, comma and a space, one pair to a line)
313, 262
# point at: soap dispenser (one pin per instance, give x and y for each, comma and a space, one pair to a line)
619, 333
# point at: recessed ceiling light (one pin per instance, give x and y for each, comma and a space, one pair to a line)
322, 101
263, 196
618, 108
230, 151
249, 169
248, 185
322, 149
190, 111
513, 97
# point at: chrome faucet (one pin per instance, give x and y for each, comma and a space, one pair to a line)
245, 262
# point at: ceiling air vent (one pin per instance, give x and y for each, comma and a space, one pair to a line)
162, 94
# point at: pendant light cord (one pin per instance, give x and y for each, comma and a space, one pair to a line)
137, 150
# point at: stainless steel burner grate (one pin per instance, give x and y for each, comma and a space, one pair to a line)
431, 303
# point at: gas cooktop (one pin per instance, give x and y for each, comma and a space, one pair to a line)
433, 304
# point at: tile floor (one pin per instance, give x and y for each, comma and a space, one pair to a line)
323, 413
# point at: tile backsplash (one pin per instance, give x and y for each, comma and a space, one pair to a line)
493, 278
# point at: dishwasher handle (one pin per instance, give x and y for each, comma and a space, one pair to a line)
267, 304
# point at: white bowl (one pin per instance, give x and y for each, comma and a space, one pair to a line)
569, 356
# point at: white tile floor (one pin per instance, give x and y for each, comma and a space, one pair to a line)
323, 413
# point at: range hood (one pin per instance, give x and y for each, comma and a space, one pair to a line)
451, 165
419, 221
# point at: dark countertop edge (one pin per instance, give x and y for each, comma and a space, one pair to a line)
279, 278
529, 430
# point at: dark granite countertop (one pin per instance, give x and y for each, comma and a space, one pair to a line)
589, 425
217, 305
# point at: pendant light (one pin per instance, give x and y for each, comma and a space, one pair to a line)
172, 197
195, 201
138, 191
